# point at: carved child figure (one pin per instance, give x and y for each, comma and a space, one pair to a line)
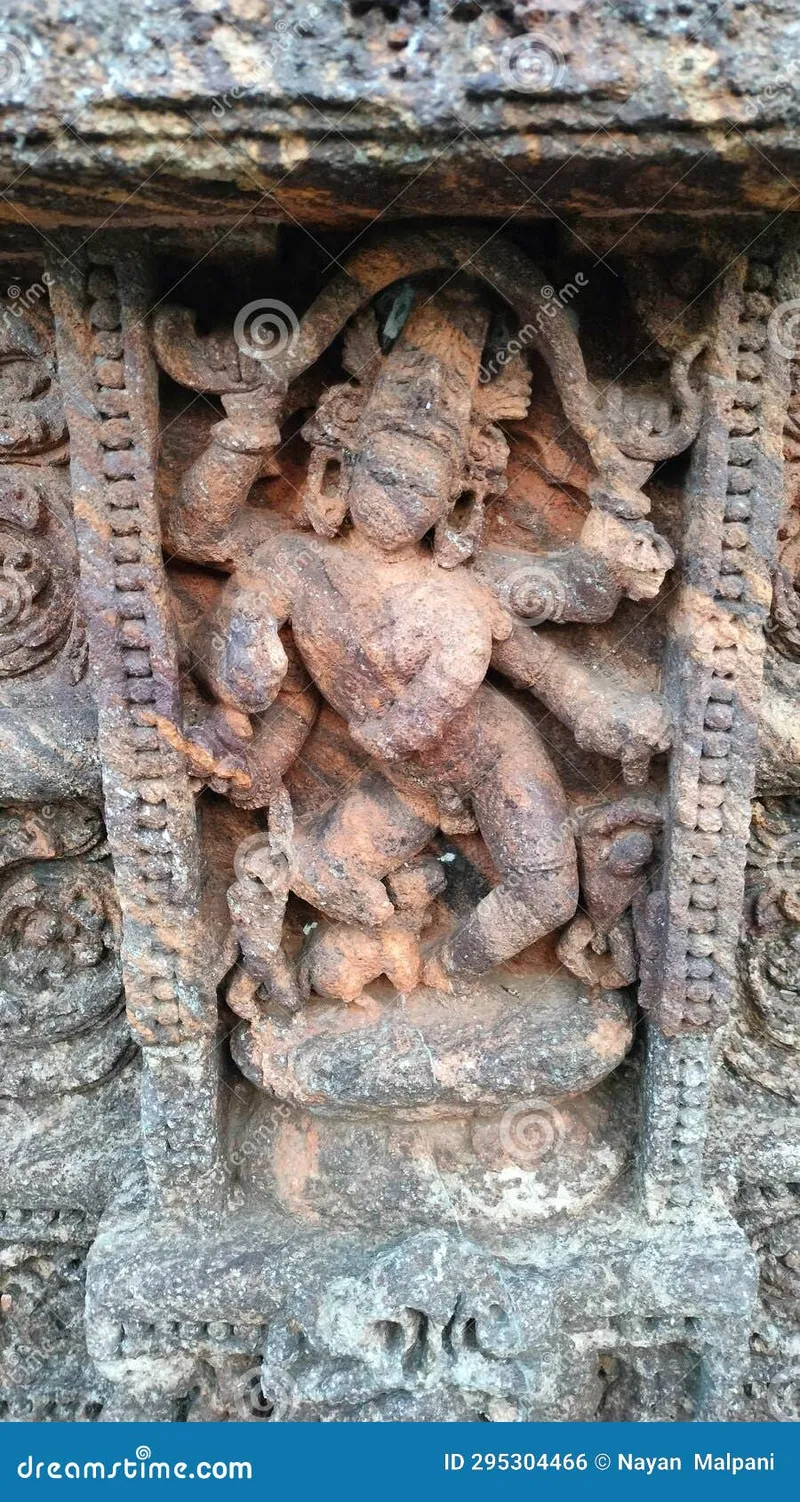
341, 959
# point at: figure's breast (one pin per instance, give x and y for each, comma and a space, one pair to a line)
344, 624
365, 628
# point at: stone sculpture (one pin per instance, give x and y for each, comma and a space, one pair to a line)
370, 936
398, 638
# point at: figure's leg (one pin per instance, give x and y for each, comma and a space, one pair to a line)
522, 814
257, 904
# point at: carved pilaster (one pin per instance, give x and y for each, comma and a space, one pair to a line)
102, 301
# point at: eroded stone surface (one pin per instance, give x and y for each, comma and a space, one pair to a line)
331, 113
398, 908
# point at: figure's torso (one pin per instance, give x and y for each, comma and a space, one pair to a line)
365, 625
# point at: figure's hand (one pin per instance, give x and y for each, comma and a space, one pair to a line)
627, 726
216, 749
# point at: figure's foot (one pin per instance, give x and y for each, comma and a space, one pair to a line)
282, 990
241, 996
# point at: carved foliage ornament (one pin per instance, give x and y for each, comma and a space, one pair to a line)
37, 552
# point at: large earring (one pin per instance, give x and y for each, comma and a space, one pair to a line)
457, 537
325, 491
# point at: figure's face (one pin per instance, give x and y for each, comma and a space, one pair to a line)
400, 488
639, 557
643, 564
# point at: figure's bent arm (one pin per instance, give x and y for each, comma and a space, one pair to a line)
237, 650
628, 725
278, 737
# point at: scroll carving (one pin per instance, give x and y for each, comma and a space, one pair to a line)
765, 1036
37, 545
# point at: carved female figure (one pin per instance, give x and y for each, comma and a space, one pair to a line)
398, 636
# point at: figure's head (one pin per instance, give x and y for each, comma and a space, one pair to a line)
401, 486
405, 431
635, 552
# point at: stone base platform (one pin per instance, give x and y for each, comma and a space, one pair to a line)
502, 1104
253, 1319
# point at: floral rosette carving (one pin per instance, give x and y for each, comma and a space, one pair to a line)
59, 942
36, 572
